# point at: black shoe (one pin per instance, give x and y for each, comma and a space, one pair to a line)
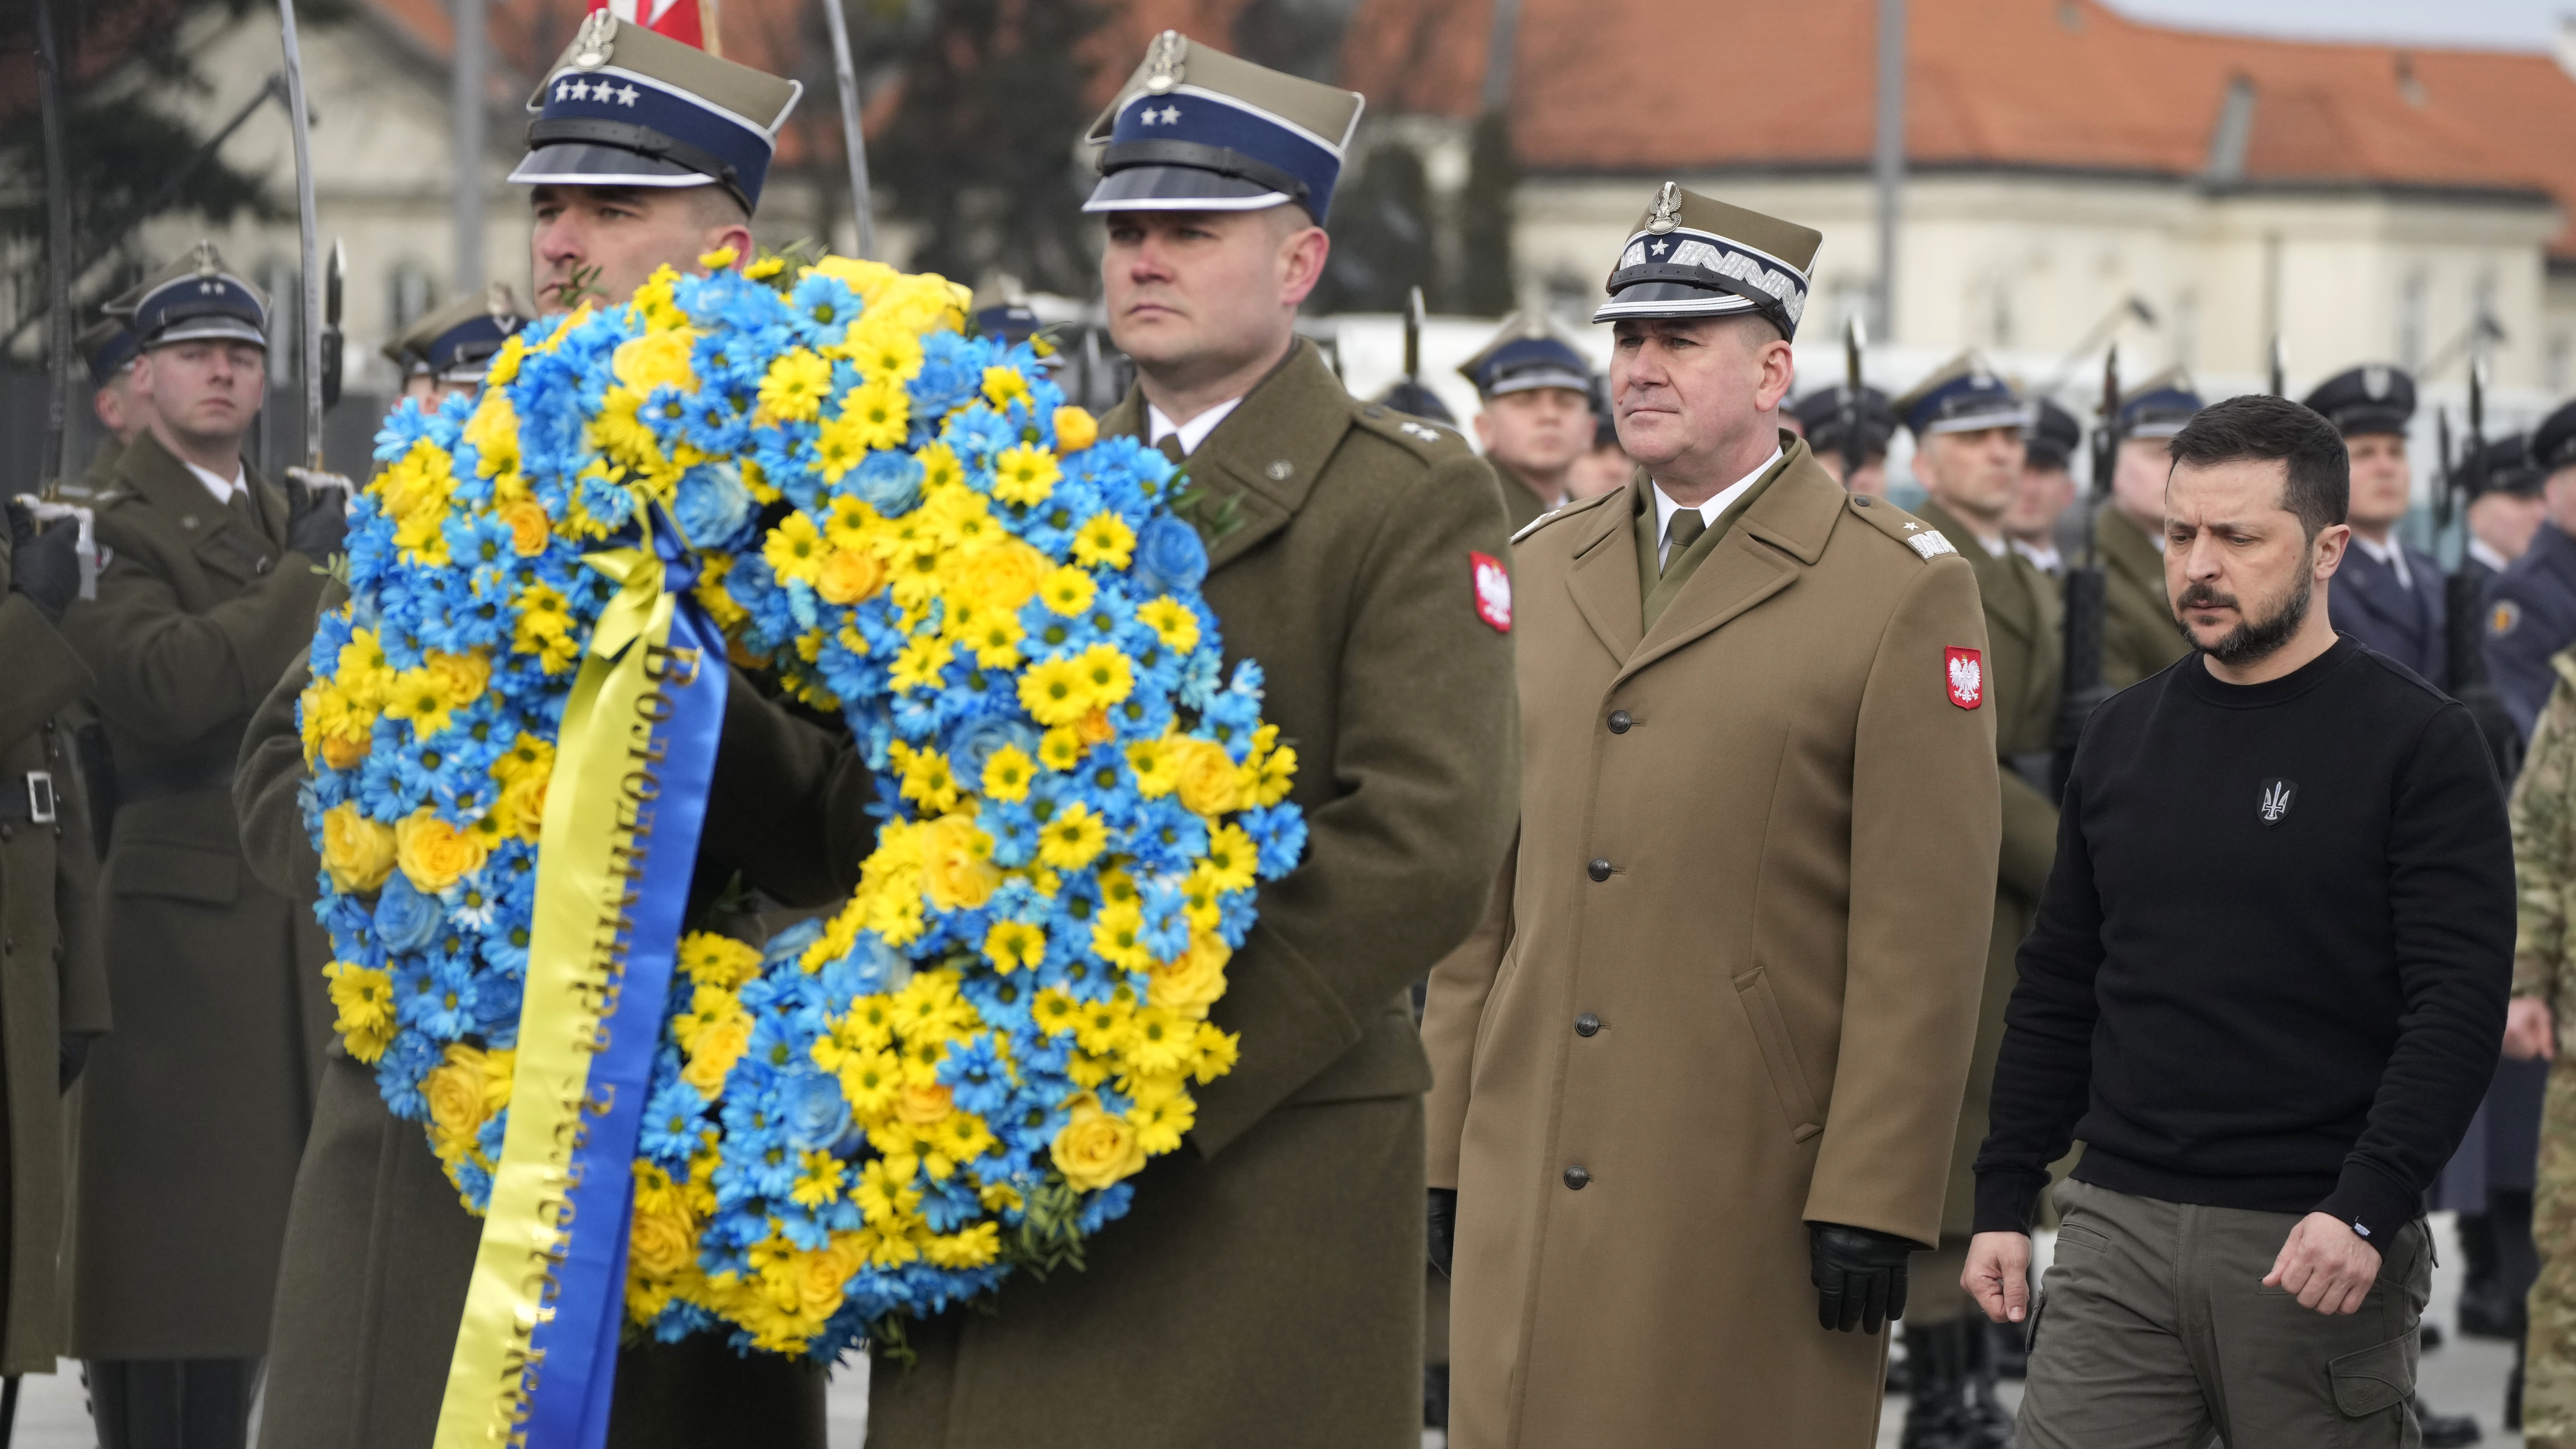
2429, 1337
2487, 1311
1435, 1396
1941, 1411
2445, 1431
2513, 1391
2011, 1350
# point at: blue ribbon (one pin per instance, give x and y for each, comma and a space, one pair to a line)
580, 1341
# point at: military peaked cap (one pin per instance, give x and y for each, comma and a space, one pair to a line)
2373, 399
2160, 406
1965, 396
192, 299
1195, 129
2506, 467
1822, 413
109, 347
2052, 437
1408, 396
2553, 443
624, 106
456, 342
1526, 354
1692, 256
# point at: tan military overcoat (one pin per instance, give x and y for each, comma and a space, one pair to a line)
194, 1111
1732, 974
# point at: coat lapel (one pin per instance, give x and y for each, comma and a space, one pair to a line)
1785, 530
224, 544
1267, 453
1603, 578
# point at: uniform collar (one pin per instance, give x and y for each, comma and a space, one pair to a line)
1268, 451
1192, 433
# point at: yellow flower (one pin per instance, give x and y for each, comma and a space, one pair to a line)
957, 864
959, 518
1160, 1118
1116, 933
795, 385
1025, 476
656, 359
1172, 622
820, 1183
1075, 430
1105, 539
924, 1104
883, 353
869, 279
364, 998
1003, 577
920, 663
712, 1055
927, 779
661, 1244
1230, 858
869, 1080
1107, 677
1210, 782
1276, 775
1073, 837
1192, 982
1004, 386
940, 468
505, 365
1156, 765
719, 259
850, 575
461, 678
995, 640
1007, 773
1160, 1041
421, 697
881, 1196
458, 1091
1094, 728
434, 853
1216, 1052
1060, 748
1067, 590
718, 961
972, 1248
529, 527
1014, 946
1054, 693
358, 852
881, 411
794, 549
840, 447
1056, 1012
1096, 1148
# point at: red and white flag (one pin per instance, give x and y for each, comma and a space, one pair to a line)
692, 21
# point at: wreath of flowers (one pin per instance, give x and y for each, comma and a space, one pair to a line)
875, 1116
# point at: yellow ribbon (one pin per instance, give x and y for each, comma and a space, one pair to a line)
586, 835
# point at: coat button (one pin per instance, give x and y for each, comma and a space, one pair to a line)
1620, 720
1586, 1024
1576, 1177
1600, 870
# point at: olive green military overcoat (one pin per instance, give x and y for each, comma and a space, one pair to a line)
193, 1114
2025, 670
1521, 506
51, 980
2138, 633
1731, 973
378, 1248
1266, 1289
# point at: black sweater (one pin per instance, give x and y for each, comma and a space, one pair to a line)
2270, 967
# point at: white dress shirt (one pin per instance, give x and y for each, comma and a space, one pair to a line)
2045, 557
223, 488
2485, 553
1191, 433
1709, 512
2389, 554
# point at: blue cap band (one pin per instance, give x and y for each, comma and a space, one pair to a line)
1529, 363
1228, 156
614, 127
1968, 403
198, 307
110, 357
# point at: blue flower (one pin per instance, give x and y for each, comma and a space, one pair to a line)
887, 481
1170, 558
817, 1112
823, 309
713, 507
407, 920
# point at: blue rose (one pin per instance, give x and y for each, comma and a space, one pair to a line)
713, 506
1170, 559
888, 481
817, 1113
406, 920
972, 753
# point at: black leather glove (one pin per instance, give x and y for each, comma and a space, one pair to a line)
317, 513
1444, 1227
43, 566
74, 1046
1859, 1275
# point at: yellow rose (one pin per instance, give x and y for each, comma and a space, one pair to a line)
1096, 1148
850, 575
529, 527
357, 851
655, 358
461, 678
455, 1093
957, 863
1075, 430
341, 752
712, 1055
1192, 983
1003, 577
661, 1245
820, 1277
521, 810
920, 1105
434, 853
1210, 783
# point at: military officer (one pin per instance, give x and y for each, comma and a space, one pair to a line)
449, 350
2047, 486
196, 1110
2139, 636
1369, 580
1968, 426
1697, 1075
1823, 415
2531, 606
53, 990
1537, 418
2391, 593
107, 348
2505, 508
378, 1249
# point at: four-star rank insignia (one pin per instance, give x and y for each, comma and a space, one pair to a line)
1493, 584
1966, 676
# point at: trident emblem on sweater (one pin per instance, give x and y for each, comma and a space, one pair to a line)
2277, 795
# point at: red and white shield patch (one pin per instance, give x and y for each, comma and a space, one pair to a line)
1493, 591
1967, 676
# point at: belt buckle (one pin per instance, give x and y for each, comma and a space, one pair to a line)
40, 797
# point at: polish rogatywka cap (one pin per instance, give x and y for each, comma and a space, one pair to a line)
1966, 395
1195, 129
456, 343
2161, 406
1527, 353
193, 299
625, 106
1694, 256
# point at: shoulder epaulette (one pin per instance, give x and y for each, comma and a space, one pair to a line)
1566, 511
1430, 440
1926, 541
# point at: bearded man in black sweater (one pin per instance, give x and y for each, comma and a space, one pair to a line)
2265, 988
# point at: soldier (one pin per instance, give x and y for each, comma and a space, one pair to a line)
1537, 392
2139, 636
379, 1250
1691, 1132
2506, 508
1367, 580
2047, 486
1969, 453
107, 347
196, 1109
2392, 593
448, 351
1001, 309
2531, 607
53, 991
1821, 416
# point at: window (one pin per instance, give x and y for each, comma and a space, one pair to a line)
411, 293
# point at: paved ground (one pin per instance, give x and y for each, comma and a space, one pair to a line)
2465, 1375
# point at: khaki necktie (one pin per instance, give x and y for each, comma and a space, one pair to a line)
239, 502
1170, 447
1680, 532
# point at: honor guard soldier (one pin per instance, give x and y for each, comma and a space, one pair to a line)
2389, 595
1537, 419
1411, 397
1689, 1136
1001, 309
448, 351
2506, 507
108, 348
379, 1251
2139, 636
2531, 606
1369, 578
1968, 426
196, 1109
1823, 413
2047, 485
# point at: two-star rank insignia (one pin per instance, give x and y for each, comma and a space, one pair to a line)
1966, 674
1493, 590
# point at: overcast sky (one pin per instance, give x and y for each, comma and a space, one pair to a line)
2504, 24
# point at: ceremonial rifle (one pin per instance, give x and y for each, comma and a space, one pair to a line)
58, 257
2447, 469
2088, 595
310, 316
852, 142
2280, 367
1854, 452
1413, 317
